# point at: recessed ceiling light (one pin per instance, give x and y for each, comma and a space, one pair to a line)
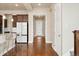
16, 5
4, 17
13, 14
12, 20
39, 4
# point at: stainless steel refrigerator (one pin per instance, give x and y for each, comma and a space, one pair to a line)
21, 32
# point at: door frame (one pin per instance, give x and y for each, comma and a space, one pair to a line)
34, 27
42, 28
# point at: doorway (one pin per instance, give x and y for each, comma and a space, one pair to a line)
39, 25
39, 29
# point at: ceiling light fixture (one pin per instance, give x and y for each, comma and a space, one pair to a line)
12, 20
39, 4
4, 17
16, 5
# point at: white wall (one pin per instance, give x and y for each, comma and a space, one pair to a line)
67, 22
70, 22
39, 26
9, 23
13, 12
53, 23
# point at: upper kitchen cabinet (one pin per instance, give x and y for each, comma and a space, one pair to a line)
22, 18
0, 24
25, 18
14, 20
19, 18
0, 21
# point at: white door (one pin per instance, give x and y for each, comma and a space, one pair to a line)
39, 27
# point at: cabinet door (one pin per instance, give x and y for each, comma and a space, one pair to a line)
14, 20
25, 17
77, 43
0, 21
0, 24
5, 25
20, 18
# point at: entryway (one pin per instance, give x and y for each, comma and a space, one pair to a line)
39, 29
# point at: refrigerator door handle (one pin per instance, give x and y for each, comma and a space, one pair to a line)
23, 34
18, 34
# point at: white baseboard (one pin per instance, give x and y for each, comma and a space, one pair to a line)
54, 47
65, 54
30, 41
68, 52
11, 47
7, 50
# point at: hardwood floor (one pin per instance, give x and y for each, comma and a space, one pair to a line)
38, 48
31, 50
39, 41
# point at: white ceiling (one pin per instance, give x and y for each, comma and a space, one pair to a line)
12, 6
22, 6
46, 5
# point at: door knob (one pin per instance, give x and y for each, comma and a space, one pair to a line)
59, 35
